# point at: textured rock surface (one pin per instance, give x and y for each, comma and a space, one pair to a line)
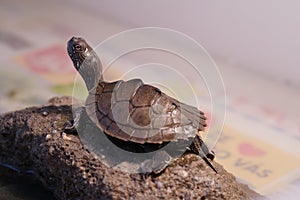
32, 139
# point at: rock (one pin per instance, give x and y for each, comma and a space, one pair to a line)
31, 139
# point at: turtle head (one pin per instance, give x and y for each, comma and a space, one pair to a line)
85, 61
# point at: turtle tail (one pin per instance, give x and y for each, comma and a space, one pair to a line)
199, 147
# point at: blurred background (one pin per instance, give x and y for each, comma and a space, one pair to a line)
255, 45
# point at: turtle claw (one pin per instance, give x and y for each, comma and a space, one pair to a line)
211, 155
70, 128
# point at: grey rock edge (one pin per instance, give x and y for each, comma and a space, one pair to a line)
32, 139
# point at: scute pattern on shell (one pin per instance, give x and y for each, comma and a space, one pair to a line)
141, 113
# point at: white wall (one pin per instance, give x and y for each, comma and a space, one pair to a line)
261, 35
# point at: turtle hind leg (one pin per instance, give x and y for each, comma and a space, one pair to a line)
199, 147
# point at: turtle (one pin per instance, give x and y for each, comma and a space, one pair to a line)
135, 113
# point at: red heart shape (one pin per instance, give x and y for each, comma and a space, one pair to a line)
247, 149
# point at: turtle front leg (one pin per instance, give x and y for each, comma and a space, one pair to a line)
70, 127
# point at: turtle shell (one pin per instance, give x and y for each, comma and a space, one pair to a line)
140, 113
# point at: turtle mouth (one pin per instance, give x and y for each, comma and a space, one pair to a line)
76, 57
76, 62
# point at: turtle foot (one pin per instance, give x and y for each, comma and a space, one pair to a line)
70, 128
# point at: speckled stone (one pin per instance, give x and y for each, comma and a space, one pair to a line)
31, 139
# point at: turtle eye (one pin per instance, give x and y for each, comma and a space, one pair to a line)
77, 47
